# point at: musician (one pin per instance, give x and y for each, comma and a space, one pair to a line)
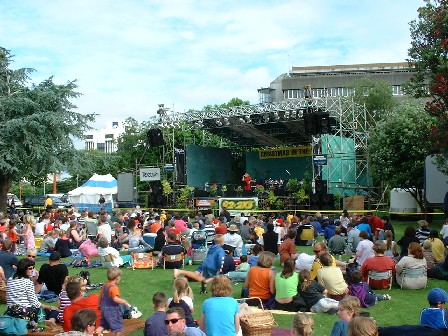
246, 181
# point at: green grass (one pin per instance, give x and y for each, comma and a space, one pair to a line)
138, 286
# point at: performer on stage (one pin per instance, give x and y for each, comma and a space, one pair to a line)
246, 181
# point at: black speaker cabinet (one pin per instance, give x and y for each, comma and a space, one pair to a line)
155, 137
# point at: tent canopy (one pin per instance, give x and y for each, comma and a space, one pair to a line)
87, 195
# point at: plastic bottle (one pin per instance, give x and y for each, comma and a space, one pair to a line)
41, 319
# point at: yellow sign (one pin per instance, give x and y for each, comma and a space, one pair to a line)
285, 152
238, 204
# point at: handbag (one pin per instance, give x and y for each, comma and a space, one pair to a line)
12, 325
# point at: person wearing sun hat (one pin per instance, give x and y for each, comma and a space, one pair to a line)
436, 316
232, 238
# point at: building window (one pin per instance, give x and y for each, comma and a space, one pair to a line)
89, 136
264, 97
396, 90
100, 147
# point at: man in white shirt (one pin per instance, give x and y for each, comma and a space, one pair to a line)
104, 229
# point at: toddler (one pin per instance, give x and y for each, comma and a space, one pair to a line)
363, 291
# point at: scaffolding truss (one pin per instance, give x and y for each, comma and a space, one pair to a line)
280, 124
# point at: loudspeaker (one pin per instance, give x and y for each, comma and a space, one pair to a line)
327, 201
314, 202
201, 193
155, 198
155, 137
310, 125
322, 123
320, 186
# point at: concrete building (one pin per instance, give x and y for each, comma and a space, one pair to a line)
104, 140
333, 80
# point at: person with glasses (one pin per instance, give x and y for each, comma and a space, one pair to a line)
31, 254
319, 249
175, 322
21, 299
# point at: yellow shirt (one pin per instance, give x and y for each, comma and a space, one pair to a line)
438, 249
259, 231
317, 266
48, 201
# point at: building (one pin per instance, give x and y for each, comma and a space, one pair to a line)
333, 80
104, 140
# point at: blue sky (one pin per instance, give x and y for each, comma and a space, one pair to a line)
128, 56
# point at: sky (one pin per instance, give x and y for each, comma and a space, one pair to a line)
128, 56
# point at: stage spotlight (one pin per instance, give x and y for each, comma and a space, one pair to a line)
226, 121
266, 118
218, 123
248, 120
286, 116
275, 115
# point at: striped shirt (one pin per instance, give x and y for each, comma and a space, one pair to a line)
20, 291
64, 301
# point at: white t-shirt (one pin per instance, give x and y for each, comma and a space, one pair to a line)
444, 231
40, 228
365, 247
106, 231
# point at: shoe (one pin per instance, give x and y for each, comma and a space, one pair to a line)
135, 313
387, 297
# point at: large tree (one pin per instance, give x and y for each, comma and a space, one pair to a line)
398, 147
429, 56
38, 123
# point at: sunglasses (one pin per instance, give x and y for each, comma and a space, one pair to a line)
317, 251
31, 256
31, 267
173, 321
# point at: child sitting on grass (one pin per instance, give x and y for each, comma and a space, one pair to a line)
349, 308
436, 315
183, 297
363, 291
155, 324
241, 270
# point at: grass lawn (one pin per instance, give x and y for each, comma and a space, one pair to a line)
138, 286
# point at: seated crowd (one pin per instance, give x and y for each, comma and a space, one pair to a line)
238, 249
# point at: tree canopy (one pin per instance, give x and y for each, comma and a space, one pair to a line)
38, 124
398, 147
429, 56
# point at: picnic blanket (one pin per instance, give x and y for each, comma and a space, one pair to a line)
130, 326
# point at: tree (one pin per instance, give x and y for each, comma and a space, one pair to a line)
231, 103
37, 124
428, 54
375, 94
398, 147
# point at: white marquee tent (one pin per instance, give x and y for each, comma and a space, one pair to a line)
87, 195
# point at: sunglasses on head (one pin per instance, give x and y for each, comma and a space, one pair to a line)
172, 321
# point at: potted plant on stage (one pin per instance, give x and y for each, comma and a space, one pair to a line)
259, 190
239, 191
213, 189
166, 190
223, 190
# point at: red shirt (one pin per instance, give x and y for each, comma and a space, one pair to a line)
375, 224
90, 302
380, 264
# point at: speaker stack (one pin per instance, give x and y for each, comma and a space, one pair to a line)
155, 198
321, 200
155, 137
317, 123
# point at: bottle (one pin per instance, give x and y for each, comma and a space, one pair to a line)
41, 319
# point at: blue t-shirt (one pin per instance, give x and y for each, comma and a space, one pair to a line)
220, 315
340, 328
155, 325
7, 260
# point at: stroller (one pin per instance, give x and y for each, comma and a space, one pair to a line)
198, 246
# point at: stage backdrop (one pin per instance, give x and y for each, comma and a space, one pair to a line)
207, 164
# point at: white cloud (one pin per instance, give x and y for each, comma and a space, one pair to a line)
129, 56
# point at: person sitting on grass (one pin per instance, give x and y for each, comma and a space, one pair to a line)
436, 316
183, 297
211, 266
363, 326
241, 270
314, 294
287, 249
260, 281
302, 325
286, 285
83, 323
117, 260
336, 244
319, 249
349, 308
331, 278
155, 324
175, 323
363, 291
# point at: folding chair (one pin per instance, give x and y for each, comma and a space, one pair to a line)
375, 275
308, 234
171, 258
142, 260
92, 229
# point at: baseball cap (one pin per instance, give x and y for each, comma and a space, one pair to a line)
55, 255
437, 295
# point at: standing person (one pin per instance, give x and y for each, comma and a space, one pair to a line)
246, 182
175, 323
270, 240
110, 301
302, 325
349, 308
48, 204
220, 313
52, 274
28, 226
8, 261
155, 324
102, 202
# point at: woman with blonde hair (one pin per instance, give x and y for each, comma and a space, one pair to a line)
183, 297
220, 313
260, 281
302, 325
363, 326
411, 269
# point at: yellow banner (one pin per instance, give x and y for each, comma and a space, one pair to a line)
285, 152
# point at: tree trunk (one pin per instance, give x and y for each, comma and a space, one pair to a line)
418, 196
5, 185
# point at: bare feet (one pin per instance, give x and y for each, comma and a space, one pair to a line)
175, 273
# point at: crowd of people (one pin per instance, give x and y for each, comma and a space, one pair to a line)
241, 249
